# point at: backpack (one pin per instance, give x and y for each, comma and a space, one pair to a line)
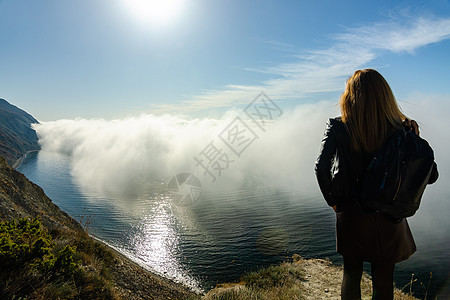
395, 179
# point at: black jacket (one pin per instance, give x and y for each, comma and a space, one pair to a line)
338, 168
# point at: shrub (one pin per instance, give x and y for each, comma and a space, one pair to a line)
22, 242
29, 259
32, 265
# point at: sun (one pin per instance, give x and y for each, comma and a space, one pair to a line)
156, 12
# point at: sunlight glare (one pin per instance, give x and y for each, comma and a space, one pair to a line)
156, 12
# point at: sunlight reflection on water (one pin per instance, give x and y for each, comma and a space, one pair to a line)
156, 240
153, 240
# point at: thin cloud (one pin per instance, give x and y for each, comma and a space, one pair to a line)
396, 38
324, 70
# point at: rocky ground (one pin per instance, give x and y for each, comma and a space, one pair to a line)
319, 279
134, 282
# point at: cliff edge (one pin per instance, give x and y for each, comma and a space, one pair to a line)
298, 279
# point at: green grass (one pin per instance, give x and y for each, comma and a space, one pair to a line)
274, 276
274, 282
58, 264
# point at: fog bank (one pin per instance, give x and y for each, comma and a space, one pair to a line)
128, 156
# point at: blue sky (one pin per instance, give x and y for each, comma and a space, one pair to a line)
102, 59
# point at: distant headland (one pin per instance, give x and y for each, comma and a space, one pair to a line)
17, 137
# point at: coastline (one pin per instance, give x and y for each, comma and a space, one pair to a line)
104, 272
132, 272
19, 161
132, 281
126, 259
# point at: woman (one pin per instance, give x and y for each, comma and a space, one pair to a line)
369, 115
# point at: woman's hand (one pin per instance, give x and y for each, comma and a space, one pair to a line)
334, 208
412, 126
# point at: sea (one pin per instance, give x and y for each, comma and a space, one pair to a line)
227, 233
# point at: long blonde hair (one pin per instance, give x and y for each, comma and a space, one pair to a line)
369, 110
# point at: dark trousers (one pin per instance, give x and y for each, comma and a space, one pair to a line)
382, 280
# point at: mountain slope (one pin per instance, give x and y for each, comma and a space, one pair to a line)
16, 135
20, 198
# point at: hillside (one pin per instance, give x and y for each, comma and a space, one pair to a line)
16, 135
20, 198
